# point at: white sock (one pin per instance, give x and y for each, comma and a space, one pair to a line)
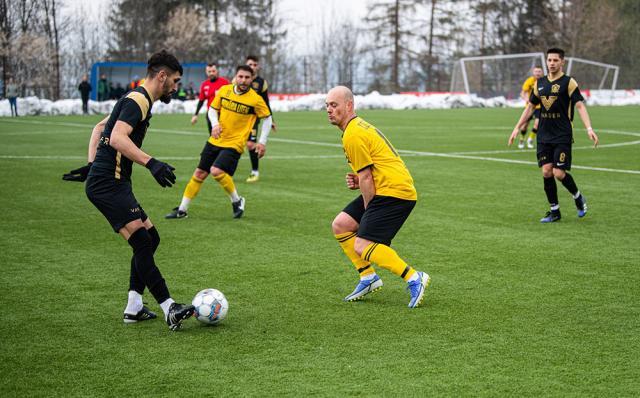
134, 305
234, 196
555, 207
255, 173
577, 195
367, 277
165, 306
414, 277
184, 205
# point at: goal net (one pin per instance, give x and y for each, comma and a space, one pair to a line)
503, 75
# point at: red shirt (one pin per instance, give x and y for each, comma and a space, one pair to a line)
208, 89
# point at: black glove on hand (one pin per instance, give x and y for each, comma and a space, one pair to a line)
79, 174
162, 172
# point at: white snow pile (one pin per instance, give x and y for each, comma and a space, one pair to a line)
35, 106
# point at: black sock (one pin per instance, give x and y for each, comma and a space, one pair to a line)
534, 130
135, 281
551, 189
570, 184
142, 244
254, 160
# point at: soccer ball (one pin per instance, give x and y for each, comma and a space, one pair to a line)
211, 306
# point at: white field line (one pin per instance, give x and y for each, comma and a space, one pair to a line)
458, 155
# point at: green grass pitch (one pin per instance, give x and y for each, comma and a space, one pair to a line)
516, 308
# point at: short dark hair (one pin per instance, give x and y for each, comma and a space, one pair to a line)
160, 60
212, 64
556, 50
244, 68
253, 58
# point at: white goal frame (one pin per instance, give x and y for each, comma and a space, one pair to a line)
570, 61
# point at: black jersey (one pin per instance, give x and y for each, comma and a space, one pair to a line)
558, 99
135, 110
260, 86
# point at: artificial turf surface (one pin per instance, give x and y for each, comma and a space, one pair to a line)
515, 308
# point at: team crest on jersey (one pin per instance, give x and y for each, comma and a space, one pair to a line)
255, 85
548, 101
555, 89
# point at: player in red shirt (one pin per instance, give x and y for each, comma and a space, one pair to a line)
208, 90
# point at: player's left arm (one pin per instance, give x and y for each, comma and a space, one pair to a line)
578, 99
586, 121
367, 186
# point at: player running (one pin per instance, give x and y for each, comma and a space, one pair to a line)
232, 113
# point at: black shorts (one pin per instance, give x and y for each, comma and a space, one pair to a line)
223, 158
382, 219
558, 154
115, 200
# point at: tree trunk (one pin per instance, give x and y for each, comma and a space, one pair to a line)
395, 80
430, 49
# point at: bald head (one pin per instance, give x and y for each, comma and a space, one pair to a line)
340, 92
340, 108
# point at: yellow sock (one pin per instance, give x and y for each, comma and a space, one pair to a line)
226, 182
193, 187
532, 135
387, 258
346, 241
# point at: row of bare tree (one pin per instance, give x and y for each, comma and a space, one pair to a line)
401, 45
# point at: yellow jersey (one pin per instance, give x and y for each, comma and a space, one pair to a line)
528, 86
365, 146
237, 113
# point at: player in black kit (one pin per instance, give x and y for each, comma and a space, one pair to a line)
114, 146
559, 95
260, 86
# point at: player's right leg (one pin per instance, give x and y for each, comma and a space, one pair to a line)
137, 235
344, 227
190, 192
207, 157
545, 161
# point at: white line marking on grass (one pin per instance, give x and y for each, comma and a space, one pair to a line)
72, 157
334, 145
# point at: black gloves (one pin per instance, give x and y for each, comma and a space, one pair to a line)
162, 172
79, 174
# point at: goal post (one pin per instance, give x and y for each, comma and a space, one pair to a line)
503, 75
495, 75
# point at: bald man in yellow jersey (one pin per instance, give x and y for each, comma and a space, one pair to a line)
525, 94
365, 228
233, 113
